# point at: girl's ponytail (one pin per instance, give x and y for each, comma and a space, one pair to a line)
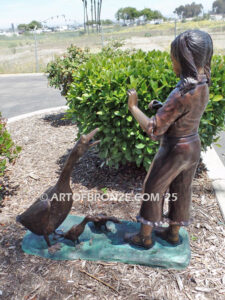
192, 49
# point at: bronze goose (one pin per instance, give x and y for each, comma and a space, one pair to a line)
45, 215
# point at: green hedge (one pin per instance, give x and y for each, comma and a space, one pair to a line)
8, 150
97, 98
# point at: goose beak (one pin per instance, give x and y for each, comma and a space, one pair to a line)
92, 144
90, 136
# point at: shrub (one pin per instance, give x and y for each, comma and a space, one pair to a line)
60, 71
212, 121
97, 98
8, 150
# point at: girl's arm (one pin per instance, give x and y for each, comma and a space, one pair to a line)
156, 126
147, 124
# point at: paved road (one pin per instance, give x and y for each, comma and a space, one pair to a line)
21, 94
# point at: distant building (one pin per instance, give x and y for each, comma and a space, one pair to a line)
8, 33
38, 31
46, 29
219, 17
62, 28
156, 21
13, 27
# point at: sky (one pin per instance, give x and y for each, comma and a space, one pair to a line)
24, 11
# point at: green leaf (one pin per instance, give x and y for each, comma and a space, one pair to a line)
217, 98
128, 155
218, 145
104, 190
140, 146
100, 113
129, 118
149, 150
117, 113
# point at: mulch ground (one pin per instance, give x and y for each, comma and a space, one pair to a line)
46, 142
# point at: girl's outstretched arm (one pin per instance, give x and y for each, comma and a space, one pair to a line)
147, 124
158, 125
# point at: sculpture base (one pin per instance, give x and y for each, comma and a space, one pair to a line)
110, 246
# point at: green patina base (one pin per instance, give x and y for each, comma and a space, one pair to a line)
110, 246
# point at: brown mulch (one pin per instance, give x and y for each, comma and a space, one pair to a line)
46, 141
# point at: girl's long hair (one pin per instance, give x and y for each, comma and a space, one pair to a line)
193, 49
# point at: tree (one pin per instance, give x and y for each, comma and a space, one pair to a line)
131, 13
31, 26
99, 15
86, 12
127, 13
219, 7
157, 14
92, 16
107, 22
189, 10
180, 11
149, 14
34, 24
84, 15
120, 15
95, 9
22, 27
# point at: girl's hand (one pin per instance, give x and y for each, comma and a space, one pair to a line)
155, 104
132, 98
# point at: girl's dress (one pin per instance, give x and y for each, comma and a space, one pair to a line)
174, 166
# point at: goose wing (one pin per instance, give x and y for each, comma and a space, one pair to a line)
36, 217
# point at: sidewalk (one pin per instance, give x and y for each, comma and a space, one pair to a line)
216, 172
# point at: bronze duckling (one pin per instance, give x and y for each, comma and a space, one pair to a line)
45, 215
101, 220
76, 230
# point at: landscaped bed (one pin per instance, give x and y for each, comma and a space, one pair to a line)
46, 141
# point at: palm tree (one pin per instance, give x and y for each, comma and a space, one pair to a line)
87, 16
96, 6
100, 10
84, 15
95, 10
95, 13
92, 18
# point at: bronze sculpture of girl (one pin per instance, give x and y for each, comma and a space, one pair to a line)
176, 125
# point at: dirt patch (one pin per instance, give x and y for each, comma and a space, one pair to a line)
46, 142
143, 43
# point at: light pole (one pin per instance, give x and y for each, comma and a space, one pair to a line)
35, 50
36, 43
102, 37
175, 28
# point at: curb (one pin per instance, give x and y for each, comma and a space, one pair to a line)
34, 113
21, 74
216, 172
